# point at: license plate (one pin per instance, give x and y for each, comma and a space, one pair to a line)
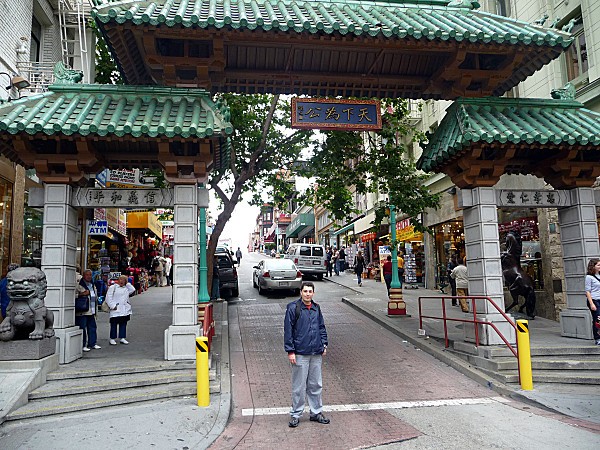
284, 283
316, 263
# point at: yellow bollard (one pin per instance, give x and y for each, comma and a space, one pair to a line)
524, 355
202, 383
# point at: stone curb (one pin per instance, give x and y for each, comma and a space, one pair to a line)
224, 375
451, 360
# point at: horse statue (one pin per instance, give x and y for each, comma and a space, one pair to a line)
518, 281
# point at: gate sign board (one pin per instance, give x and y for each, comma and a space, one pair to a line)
334, 114
97, 227
122, 198
526, 198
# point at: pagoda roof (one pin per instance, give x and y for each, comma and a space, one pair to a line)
77, 129
480, 139
417, 49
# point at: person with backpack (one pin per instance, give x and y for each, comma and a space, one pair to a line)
305, 341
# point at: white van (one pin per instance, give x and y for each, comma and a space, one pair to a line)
309, 259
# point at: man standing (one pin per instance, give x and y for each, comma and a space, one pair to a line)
238, 255
459, 273
342, 260
305, 341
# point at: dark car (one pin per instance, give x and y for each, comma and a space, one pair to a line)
228, 277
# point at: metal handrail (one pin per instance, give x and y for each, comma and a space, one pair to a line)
474, 321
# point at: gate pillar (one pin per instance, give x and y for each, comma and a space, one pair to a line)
180, 337
59, 248
483, 263
579, 240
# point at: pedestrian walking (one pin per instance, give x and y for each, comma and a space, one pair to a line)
359, 266
342, 259
158, 267
387, 273
449, 268
592, 292
215, 292
238, 255
86, 318
305, 341
459, 274
117, 299
168, 263
328, 257
336, 261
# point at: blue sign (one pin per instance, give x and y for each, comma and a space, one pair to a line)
334, 114
97, 227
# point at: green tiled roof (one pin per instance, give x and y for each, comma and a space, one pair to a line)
391, 19
509, 120
116, 110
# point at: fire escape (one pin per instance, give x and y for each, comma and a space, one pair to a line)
72, 17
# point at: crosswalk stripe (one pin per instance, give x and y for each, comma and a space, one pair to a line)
388, 405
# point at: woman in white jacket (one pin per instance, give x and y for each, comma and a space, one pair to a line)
117, 299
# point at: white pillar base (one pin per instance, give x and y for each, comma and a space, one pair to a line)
69, 344
487, 335
576, 323
180, 341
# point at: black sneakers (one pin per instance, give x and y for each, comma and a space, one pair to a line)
294, 421
319, 418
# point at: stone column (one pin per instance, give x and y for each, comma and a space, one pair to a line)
180, 337
483, 264
579, 240
58, 262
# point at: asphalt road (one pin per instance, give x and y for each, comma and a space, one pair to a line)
379, 391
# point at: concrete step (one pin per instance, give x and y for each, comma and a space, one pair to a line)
550, 376
585, 348
72, 403
78, 386
66, 372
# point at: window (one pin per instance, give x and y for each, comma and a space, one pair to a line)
576, 56
36, 41
503, 8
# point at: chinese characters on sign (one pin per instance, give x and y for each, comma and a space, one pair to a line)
333, 114
123, 198
508, 198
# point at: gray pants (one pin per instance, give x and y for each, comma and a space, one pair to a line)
307, 380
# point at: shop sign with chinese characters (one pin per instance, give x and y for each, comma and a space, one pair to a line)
122, 198
336, 114
512, 198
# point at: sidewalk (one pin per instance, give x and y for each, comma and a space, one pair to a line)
578, 401
165, 423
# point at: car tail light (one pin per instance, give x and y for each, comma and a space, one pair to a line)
298, 274
295, 260
266, 275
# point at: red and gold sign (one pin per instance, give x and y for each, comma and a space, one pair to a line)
368, 237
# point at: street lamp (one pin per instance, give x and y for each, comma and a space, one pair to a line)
396, 305
203, 296
15, 81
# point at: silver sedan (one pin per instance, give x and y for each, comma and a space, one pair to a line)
276, 274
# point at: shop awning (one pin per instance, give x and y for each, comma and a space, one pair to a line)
364, 223
145, 220
344, 229
301, 222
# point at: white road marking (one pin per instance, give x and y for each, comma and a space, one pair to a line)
374, 406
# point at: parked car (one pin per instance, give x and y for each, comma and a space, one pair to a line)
309, 259
228, 276
275, 275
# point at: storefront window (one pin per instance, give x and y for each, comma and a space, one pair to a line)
31, 255
524, 222
449, 240
6, 191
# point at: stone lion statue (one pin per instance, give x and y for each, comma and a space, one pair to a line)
26, 315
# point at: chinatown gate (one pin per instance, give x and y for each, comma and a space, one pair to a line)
174, 55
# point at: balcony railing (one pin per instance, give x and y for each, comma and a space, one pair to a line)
39, 74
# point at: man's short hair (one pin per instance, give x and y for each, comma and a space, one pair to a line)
309, 284
87, 271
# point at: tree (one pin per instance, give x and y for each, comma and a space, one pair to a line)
106, 68
262, 152
371, 162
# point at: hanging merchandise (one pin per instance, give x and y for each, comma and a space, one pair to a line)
410, 266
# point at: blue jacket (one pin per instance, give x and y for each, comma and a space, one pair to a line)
4, 298
308, 336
